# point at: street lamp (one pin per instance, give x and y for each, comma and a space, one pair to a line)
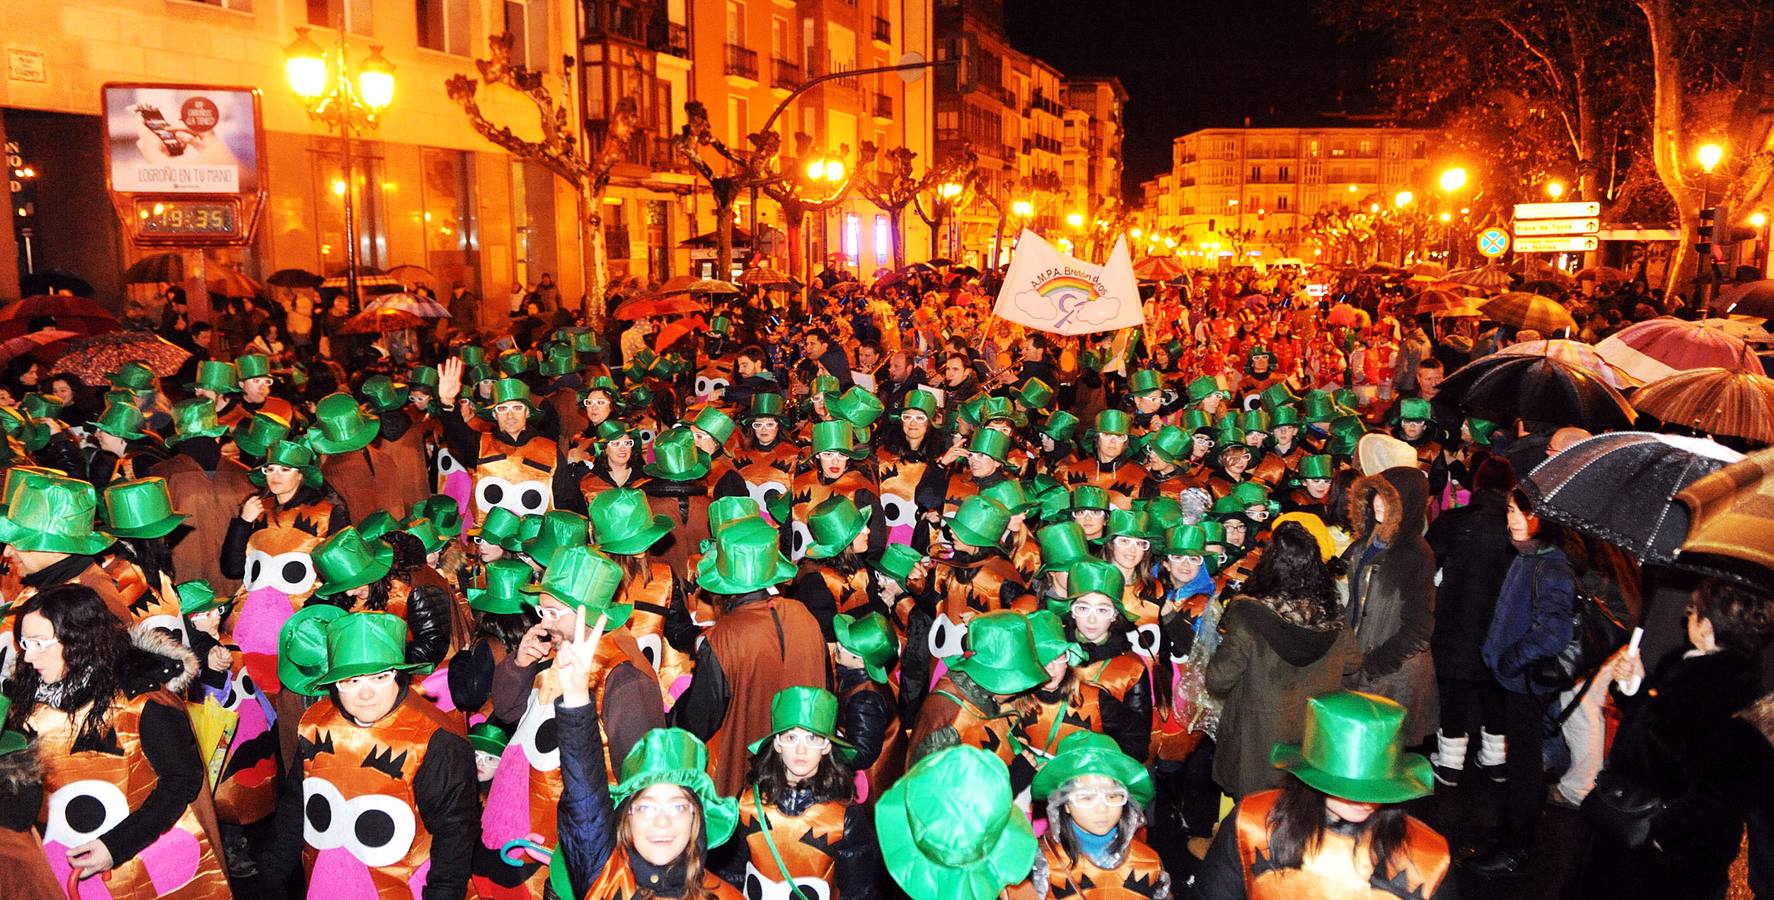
1075, 219
1709, 156
331, 96
1403, 199
1555, 189
1453, 179
1023, 209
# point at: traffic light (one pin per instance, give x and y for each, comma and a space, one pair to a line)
1703, 232
1721, 227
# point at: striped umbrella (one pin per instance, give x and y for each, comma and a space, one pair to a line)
367, 276
226, 281
1440, 303
1579, 355
157, 268
380, 321
1156, 268
1653, 349
1732, 514
1716, 401
417, 304
1491, 277
1524, 310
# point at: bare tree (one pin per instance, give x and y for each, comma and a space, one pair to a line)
892, 187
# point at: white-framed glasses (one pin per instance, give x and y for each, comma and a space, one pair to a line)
647, 809
1096, 799
38, 645
553, 613
803, 739
378, 679
1140, 544
1083, 609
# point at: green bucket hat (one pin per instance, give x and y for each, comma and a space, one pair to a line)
980, 522
471, 355
677, 458
474, 375
216, 376
712, 420
55, 515
1170, 444
382, 393
1084, 753
1112, 421
675, 756
1035, 394
950, 830
1413, 409
1204, 387
345, 561
1096, 576
826, 384
500, 528
810, 708
601, 383
1317, 466
489, 738
920, 401
838, 436
1354, 750
1089, 496
196, 596
365, 643
302, 648
1062, 544
289, 453
507, 390
194, 418
623, 523
252, 365
141, 508
765, 406
835, 524
1062, 426
897, 562
423, 377
746, 558
992, 443
1276, 396
1001, 655
1145, 382
426, 532
123, 420
503, 595
871, 637
1049, 631
558, 359
858, 407
557, 530
256, 435
582, 577
1481, 430
341, 426
377, 525
1345, 433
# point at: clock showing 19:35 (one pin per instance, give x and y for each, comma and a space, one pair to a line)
177, 218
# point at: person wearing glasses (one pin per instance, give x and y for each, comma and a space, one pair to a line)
1095, 797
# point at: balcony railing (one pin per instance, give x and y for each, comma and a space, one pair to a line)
883, 30
785, 74
742, 62
883, 106
673, 39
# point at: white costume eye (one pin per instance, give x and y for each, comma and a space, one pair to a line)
717, 388
324, 814
1145, 640
760, 887
527, 498
491, 491
380, 829
83, 810
802, 539
947, 637
241, 688
898, 511
650, 648
765, 491
292, 573
646, 435
537, 733
447, 463
258, 562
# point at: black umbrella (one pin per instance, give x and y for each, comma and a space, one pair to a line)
1504, 386
294, 278
1621, 487
54, 281
157, 268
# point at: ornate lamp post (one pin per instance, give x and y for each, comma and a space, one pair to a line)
1452, 181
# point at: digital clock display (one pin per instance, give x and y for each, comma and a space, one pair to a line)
187, 218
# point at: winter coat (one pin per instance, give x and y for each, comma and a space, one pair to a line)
1533, 617
1472, 550
1274, 656
1392, 596
28, 873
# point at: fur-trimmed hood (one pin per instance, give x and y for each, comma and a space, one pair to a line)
158, 660
1405, 491
19, 772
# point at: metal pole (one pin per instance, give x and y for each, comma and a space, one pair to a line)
345, 110
1702, 295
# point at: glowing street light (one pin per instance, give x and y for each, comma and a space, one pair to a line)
948, 190
1023, 209
1135, 233
1453, 179
304, 64
1758, 219
1555, 189
1075, 219
1403, 199
1709, 155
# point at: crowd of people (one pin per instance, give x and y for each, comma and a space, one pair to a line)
859, 594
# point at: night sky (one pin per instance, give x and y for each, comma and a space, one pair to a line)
1191, 64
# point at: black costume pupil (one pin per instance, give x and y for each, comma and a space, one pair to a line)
548, 737
252, 572
493, 494
532, 499
754, 889
85, 814
294, 571
374, 828
320, 813
893, 510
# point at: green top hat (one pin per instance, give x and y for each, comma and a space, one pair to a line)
611, 430
1175, 348
1132, 524
1089, 496
133, 377
445, 514
746, 558
345, 561
1049, 632
1347, 398
1318, 407
724, 511
557, 530
826, 384
992, 443
980, 522
1145, 382
121, 419
1097, 576
1001, 655
384, 394
1051, 497
1185, 540
996, 408
377, 524
19, 477
363, 644
558, 359
1170, 444
196, 596
1163, 511
765, 406
1254, 420
292, 454
1084, 753
472, 355
1205, 386
1112, 421
582, 577
897, 562
1062, 544
34, 435
810, 708
503, 595
1284, 415
1276, 396
870, 637
477, 374
920, 401
1213, 531
949, 828
622, 522
969, 411
1354, 750
340, 425
507, 390
140, 509
711, 419
500, 528
194, 418
1413, 409
1035, 394
489, 738
256, 435
1250, 493
836, 436
1011, 494
426, 531
1481, 430
720, 325
54, 515
677, 458
858, 407
601, 383
835, 524
1316, 466
1345, 432
217, 376
675, 756
423, 377
252, 365
512, 363
302, 648
1061, 426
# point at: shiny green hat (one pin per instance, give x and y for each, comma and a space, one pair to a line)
1144, 382
1413, 409
1062, 544
507, 390
675, 756
1205, 386
133, 377
1185, 540
1276, 396
216, 376
289, 453
34, 435
365, 643
345, 561
745, 558
871, 637
764, 406
474, 375
503, 595
123, 420
1481, 430
1097, 576
1061, 426
826, 384
1012, 494
1049, 632
1250, 493
582, 577
1254, 420
1316, 466
1170, 444
858, 407
196, 596
1034, 394
969, 412
612, 430
513, 363
489, 738
1345, 432
444, 512
949, 828
897, 562
1354, 750
53, 514
1318, 407
834, 525
920, 401
557, 530
601, 383
302, 648
1284, 415
1112, 421
622, 523
836, 436
471, 355
257, 434
558, 359
996, 408
500, 528
586, 345
811, 708
1347, 398
1084, 753
980, 522
1164, 511
384, 394
720, 325
424, 377
194, 418
724, 511
41, 406
1001, 655
1089, 496
377, 525
1050, 496
141, 508
711, 419
252, 365
991, 442
1133, 524
341, 425
427, 533
677, 458
1195, 420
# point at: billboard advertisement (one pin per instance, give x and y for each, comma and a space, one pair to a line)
167, 139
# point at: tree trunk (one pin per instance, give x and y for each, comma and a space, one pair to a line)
1666, 129
896, 218
724, 240
794, 217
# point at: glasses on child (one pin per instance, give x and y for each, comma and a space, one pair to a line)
647, 809
1094, 799
799, 739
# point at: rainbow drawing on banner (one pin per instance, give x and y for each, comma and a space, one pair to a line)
1060, 295
1050, 291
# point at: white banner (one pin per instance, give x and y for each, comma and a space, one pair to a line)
1049, 291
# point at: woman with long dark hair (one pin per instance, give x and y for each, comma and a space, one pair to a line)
113, 738
502, 616
627, 530
363, 576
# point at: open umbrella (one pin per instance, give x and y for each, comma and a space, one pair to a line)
1601, 275
1440, 303
54, 281
15, 347
1505, 387
1621, 487
1750, 329
1156, 268
367, 276
294, 278
1427, 269
227, 281
156, 268
1753, 298
712, 286
417, 304
1662, 346
95, 357
76, 314
1490, 277
941, 261
1716, 401
1531, 269
765, 277
380, 321
1578, 355
1524, 310
675, 329
677, 284
410, 274
1732, 514
642, 307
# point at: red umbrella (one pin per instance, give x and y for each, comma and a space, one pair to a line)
13, 348
642, 307
675, 329
1660, 347
77, 314
95, 357
1156, 268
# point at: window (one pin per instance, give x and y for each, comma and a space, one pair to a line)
735, 23
616, 229
852, 236
841, 43
1285, 173
369, 203
527, 23
353, 14
736, 116
1365, 147
781, 40
443, 25
883, 239
449, 228
1256, 173
1281, 203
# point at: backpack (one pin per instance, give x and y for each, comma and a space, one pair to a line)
1595, 634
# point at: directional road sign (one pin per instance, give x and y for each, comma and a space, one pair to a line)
1542, 227
1565, 244
1493, 242
1578, 210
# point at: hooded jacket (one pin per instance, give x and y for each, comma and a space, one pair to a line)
1392, 595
